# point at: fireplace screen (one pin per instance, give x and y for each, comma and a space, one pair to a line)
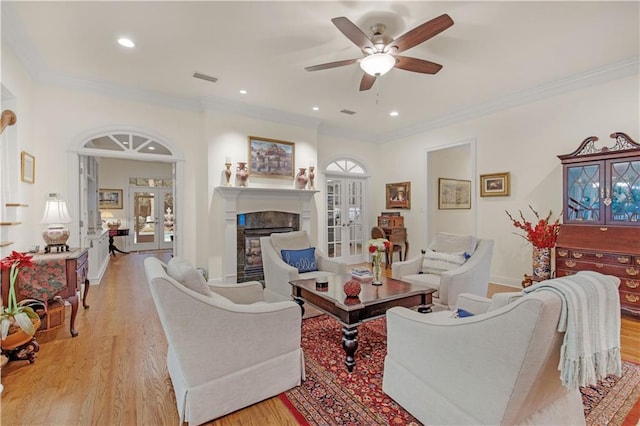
252, 226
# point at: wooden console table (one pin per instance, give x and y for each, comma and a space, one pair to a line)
53, 274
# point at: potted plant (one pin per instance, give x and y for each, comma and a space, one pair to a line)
18, 323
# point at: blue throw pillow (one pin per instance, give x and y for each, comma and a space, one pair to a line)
303, 260
462, 313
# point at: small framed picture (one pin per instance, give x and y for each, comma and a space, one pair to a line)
110, 198
495, 184
454, 194
27, 167
398, 195
271, 157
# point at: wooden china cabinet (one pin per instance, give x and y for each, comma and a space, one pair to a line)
601, 215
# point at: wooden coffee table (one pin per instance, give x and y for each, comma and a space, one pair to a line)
372, 303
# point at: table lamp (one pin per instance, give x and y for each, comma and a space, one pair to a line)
55, 215
108, 219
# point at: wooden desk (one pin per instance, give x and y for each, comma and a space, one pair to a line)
53, 274
397, 236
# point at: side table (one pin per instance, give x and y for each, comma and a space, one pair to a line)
116, 233
53, 274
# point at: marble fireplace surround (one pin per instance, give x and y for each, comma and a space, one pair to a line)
238, 200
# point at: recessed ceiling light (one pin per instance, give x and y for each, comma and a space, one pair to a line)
316, 109
394, 113
123, 41
243, 92
151, 148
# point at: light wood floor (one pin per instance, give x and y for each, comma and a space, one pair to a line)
114, 372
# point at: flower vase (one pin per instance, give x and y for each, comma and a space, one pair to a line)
312, 175
302, 179
541, 263
377, 260
242, 174
227, 173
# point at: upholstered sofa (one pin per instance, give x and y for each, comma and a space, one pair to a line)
278, 273
499, 366
228, 348
463, 267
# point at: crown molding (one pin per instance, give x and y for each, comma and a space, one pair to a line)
261, 113
14, 36
624, 68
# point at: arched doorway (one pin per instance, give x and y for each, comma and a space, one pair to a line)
346, 200
132, 146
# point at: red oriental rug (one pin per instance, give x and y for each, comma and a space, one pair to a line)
332, 396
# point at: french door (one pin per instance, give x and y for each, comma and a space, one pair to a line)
345, 234
152, 218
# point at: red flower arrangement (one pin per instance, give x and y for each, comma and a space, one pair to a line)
14, 314
543, 234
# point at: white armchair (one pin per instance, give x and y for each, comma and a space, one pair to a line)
277, 273
471, 277
227, 349
497, 367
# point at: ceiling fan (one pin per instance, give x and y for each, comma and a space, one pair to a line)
382, 51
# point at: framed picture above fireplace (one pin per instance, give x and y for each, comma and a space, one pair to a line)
271, 158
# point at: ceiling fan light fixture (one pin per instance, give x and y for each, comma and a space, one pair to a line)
377, 64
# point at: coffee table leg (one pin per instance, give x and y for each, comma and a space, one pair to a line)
300, 302
350, 344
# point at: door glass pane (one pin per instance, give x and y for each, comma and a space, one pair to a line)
145, 217
355, 217
168, 217
625, 191
334, 193
583, 186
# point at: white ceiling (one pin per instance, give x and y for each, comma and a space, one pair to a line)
496, 54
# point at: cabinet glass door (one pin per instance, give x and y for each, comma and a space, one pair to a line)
584, 184
623, 193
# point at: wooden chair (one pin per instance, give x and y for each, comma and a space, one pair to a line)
378, 232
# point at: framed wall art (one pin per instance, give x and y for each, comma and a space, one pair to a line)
454, 194
271, 158
110, 198
398, 195
27, 167
495, 184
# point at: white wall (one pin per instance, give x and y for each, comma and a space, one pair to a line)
524, 140
227, 137
18, 96
449, 163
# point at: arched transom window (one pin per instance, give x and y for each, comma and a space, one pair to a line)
128, 143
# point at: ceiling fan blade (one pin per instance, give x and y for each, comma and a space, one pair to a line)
332, 65
422, 33
367, 82
417, 65
352, 32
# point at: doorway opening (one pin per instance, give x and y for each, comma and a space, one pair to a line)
126, 152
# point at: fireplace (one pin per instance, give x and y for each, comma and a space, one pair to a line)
252, 226
237, 201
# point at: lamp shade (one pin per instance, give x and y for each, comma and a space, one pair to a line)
55, 211
377, 64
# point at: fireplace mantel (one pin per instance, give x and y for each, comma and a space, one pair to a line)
239, 200
235, 192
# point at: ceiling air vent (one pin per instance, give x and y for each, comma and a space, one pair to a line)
348, 112
205, 77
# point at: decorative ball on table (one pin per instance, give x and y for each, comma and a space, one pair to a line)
352, 288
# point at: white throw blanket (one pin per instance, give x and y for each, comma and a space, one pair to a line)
590, 318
